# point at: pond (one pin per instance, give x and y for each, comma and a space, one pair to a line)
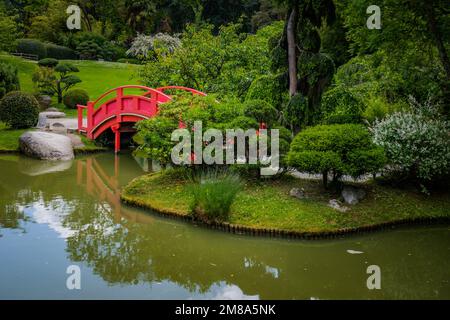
55, 215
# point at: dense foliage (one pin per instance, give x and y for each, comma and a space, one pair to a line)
19, 110
336, 149
288, 64
154, 135
225, 63
9, 79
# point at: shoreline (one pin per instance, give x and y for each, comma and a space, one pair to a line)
287, 234
137, 194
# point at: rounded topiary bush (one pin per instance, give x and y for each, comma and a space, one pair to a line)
48, 62
340, 149
75, 97
19, 110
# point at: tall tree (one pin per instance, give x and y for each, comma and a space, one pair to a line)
302, 23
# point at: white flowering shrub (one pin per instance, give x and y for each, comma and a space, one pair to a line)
416, 142
148, 47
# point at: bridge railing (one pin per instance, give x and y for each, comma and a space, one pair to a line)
93, 106
99, 111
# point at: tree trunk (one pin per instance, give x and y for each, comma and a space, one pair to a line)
325, 179
436, 34
292, 51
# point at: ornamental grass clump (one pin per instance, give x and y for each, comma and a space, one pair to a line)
213, 194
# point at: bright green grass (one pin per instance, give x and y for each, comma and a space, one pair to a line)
268, 204
9, 139
98, 77
26, 69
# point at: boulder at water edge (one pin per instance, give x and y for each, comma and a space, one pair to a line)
46, 146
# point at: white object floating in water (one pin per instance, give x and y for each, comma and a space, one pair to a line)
354, 252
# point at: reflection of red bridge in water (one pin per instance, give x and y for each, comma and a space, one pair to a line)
106, 188
119, 112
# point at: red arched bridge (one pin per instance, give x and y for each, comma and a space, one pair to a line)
116, 113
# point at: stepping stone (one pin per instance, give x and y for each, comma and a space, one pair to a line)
57, 127
44, 116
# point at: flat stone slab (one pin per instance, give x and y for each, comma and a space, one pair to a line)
46, 115
46, 146
69, 123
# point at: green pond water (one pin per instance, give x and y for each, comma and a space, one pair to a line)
54, 215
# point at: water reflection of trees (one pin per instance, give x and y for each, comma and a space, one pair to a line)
127, 246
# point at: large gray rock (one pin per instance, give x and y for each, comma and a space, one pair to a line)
352, 195
46, 115
46, 146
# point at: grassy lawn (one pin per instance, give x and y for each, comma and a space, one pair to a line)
268, 204
9, 139
98, 77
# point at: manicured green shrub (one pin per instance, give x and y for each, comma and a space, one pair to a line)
60, 52
260, 110
48, 62
32, 46
19, 110
9, 79
75, 97
213, 194
338, 149
417, 142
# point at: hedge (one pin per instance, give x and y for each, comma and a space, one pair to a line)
60, 52
32, 46
45, 50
